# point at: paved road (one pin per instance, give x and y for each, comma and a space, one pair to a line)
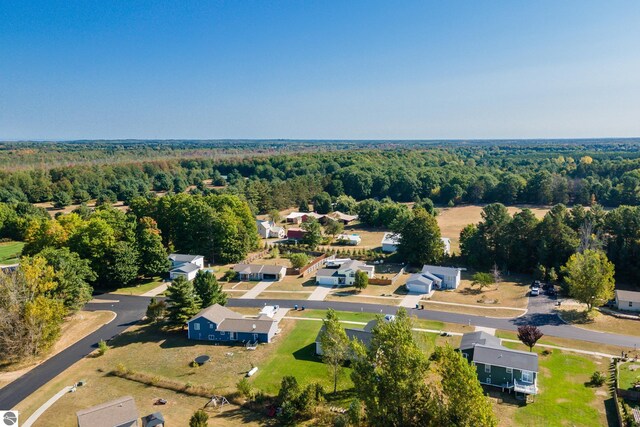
538, 315
129, 310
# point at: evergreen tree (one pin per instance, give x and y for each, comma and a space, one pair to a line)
183, 301
208, 290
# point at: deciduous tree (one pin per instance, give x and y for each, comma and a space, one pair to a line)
335, 345
529, 335
590, 277
420, 240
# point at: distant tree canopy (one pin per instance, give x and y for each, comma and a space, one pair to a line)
567, 172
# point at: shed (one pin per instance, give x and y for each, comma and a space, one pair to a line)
627, 300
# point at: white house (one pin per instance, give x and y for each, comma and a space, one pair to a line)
268, 229
186, 266
390, 242
344, 274
179, 259
349, 239
423, 283
627, 300
450, 276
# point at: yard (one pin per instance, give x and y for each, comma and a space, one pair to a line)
575, 314
511, 292
564, 398
141, 287
148, 349
628, 375
10, 252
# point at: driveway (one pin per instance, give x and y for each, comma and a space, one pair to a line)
257, 289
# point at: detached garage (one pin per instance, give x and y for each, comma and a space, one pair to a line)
188, 271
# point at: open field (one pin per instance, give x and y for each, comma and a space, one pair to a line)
151, 350
453, 220
564, 398
143, 286
511, 292
73, 330
575, 314
10, 252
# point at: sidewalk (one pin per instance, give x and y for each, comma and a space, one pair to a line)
256, 290
34, 417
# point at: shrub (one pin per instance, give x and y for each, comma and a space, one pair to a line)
299, 260
597, 379
244, 388
156, 310
199, 419
102, 347
229, 275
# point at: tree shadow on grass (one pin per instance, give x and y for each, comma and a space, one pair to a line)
307, 352
577, 317
471, 291
341, 396
238, 416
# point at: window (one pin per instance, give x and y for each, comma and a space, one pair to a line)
210, 325
487, 369
488, 380
527, 376
509, 371
630, 303
196, 326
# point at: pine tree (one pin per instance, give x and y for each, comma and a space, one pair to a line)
154, 260
208, 290
183, 301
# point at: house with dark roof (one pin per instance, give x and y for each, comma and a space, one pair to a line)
184, 265
260, 272
343, 273
627, 300
120, 412
363, 335
220, 324
499, 366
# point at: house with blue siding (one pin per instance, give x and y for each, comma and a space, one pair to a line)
218, 323
499, 366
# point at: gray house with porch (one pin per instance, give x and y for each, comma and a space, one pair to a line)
499, 366
218, 323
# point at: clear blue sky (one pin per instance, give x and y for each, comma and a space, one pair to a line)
319, 70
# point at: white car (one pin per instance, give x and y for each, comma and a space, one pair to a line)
535, 292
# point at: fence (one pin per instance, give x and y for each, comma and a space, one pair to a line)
313, 266
391, 281
254, 257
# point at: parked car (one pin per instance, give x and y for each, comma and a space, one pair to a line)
535, 284
551, 292
535, 292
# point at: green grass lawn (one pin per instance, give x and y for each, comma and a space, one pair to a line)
296, 356
564, 399
628, 374
10, 252
141, 287
366, 317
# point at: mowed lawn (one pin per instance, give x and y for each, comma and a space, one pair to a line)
564, 399
10, 252
140, 287
628, 375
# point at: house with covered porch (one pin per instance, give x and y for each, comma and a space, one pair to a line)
218, 323
499, 366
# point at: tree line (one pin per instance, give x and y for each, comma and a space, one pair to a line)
607, 173
523, 243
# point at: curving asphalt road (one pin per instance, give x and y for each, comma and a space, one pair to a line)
130, 309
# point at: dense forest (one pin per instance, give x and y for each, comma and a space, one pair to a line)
276, 175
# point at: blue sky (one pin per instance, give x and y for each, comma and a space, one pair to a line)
319, 70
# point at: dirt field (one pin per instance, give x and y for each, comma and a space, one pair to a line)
511, 292
74, 329
453, 220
